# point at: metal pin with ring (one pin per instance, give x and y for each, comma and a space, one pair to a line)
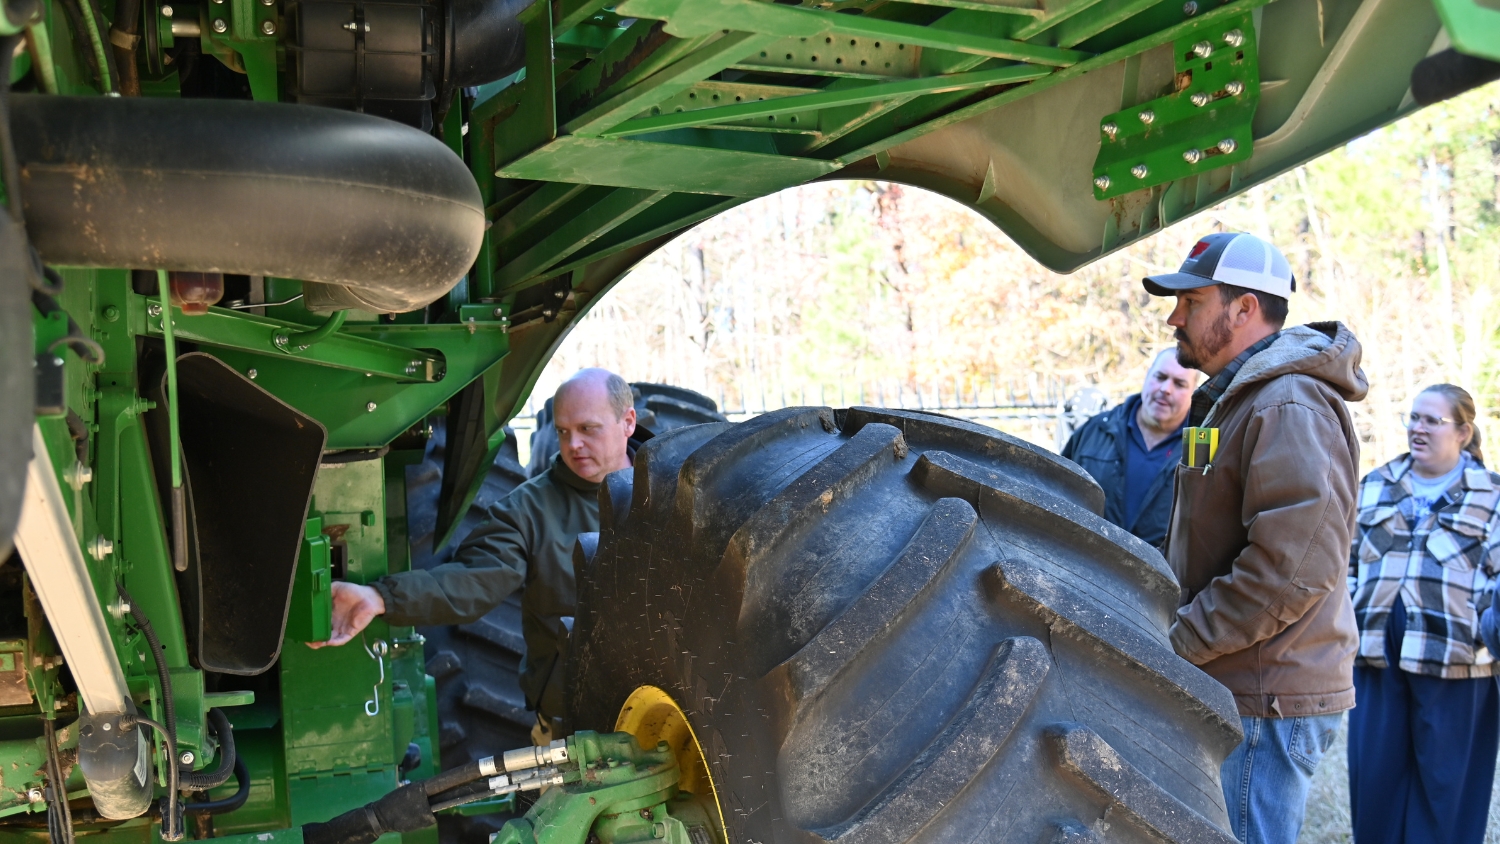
372, 706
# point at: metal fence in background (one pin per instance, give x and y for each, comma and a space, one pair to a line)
1041, 411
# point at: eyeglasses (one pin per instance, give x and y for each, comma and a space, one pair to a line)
1428, 422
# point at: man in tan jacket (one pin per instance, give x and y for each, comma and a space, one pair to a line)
1260, 527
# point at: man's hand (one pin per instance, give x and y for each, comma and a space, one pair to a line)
354, 607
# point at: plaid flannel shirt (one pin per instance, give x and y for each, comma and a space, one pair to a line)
1439, 566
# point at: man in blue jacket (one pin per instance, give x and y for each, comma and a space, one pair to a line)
1132, 448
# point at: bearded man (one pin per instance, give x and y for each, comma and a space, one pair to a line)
1261, 520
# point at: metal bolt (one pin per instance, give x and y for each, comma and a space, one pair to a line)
354, 27
34, 795
1148, 117
111, 314
100, 547
1190, 8
280, 340
268, 27
499, 313
1101, 182
561, 294
1235, 88
220, 26
252, 373
1140, 171
268, 2
1234, 38
370, 408
1202, 49
188, 757
1200, 99
548, 312
108, 726
1192, 156
153, 309
77, 475
166, 11
1227, 146
1111, 130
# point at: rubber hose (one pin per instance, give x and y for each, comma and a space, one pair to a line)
1448, 73
204, 780
169, 830
127, 21
233, 801
163, 676
452, 778
403, 810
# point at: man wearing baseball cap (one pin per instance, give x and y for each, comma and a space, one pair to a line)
1262, 515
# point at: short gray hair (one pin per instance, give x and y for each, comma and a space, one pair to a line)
621, 397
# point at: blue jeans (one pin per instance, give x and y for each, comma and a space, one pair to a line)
1267, 777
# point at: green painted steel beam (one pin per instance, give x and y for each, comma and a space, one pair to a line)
693, 17
670, 215
805, 102
1474, 26
681, 75
342, 397
579, 231
1031, 8
571, 13
855, 58
627, 163
227, 329
878, 138
526, 214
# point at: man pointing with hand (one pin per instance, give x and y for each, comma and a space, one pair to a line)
526, 540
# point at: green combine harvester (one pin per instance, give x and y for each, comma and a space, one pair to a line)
252, 248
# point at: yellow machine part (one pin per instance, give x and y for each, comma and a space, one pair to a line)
652, 716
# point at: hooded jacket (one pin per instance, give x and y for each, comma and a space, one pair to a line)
1259, 537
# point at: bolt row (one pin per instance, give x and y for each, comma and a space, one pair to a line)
1192, 155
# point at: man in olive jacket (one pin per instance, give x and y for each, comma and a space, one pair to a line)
527, 540
1259, 533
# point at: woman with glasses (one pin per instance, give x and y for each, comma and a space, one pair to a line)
1426, 724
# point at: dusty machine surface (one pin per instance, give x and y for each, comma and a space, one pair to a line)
255, 252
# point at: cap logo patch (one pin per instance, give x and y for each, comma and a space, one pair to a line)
1198, 249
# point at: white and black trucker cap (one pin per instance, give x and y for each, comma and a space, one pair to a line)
1236, 258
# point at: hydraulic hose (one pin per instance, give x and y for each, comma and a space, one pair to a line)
163, 676
403, 810
233, 801
171, 829
122, 41
228, 759
59, 805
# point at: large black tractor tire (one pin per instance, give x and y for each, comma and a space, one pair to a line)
481, 710
658, 408
886, 627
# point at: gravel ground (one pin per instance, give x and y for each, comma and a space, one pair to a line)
1327, 820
